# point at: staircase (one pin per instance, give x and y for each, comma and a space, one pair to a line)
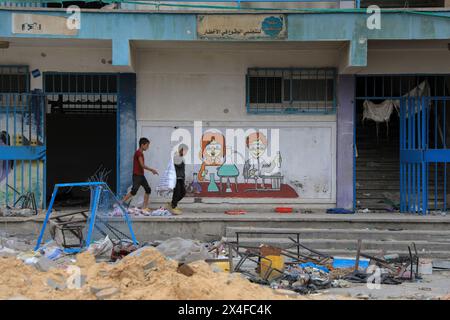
378, 170
343, 241
377, 166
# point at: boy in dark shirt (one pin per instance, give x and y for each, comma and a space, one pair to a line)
180, 190
138, 173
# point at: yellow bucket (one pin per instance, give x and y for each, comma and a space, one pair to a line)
225, 266
277, 263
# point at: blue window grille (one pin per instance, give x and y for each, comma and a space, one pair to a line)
290, 91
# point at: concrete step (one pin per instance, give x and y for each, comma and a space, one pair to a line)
349, 234
327, 244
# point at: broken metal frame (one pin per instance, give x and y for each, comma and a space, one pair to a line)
413, 260
251, 254
320, 258
28, 200
97, 188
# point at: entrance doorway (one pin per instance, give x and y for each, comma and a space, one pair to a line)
380, 146
81, 126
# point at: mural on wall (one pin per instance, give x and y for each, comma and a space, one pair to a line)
219, 174
293, 161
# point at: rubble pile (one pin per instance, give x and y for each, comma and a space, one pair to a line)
147, 274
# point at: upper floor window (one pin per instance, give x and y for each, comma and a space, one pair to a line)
272, 90
14, 79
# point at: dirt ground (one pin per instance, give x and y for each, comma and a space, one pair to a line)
146, 276
431, 287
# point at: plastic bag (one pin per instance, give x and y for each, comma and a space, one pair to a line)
184, 250
168, 180
102, 249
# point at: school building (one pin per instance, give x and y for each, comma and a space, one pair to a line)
309, 104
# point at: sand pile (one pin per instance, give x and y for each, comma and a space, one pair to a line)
148, 275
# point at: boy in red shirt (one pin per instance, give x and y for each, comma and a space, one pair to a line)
138, 173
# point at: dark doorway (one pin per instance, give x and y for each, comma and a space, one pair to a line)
81, 128
378, 142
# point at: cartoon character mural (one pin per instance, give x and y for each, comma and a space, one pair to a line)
220, 176
212, 154
259, 166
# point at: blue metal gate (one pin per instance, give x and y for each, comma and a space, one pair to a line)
423, 154
22, 147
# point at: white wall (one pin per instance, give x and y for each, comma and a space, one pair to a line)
198, 84
178, 86
60, 59
400, 61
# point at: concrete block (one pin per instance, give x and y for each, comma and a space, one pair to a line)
186, 270
55, 285
97, 289
19, 297
44, 264
107, 293
149, 265
7, 252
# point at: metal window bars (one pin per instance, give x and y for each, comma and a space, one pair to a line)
81, 93
291, 91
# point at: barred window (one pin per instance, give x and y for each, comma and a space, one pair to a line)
291, 90
81, 93
14, 79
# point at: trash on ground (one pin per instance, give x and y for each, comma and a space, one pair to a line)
235, 212
184, 250
339, 211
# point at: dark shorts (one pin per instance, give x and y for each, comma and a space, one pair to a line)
140, 181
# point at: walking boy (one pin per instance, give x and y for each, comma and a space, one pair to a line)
138, 173
180, 190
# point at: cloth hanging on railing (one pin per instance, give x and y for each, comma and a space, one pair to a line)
382, 112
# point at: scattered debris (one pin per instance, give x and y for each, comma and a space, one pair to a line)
283, 210
44, 264
122, 249
184, 251
127, 279
107, 293
186, 270
425, 289
339, 211
441, 264
16, 212
102, 250
55, 285
235, 212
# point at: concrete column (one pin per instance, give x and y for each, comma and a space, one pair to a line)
126, 130
345, 141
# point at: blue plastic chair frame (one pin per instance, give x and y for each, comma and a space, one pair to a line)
95, 194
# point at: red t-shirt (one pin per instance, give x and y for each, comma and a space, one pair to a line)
137, 168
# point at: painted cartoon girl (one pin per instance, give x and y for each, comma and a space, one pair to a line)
212, 152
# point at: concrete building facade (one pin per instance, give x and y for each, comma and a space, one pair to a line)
269, 115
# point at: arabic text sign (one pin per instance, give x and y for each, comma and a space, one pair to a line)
241, 27
40, 24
